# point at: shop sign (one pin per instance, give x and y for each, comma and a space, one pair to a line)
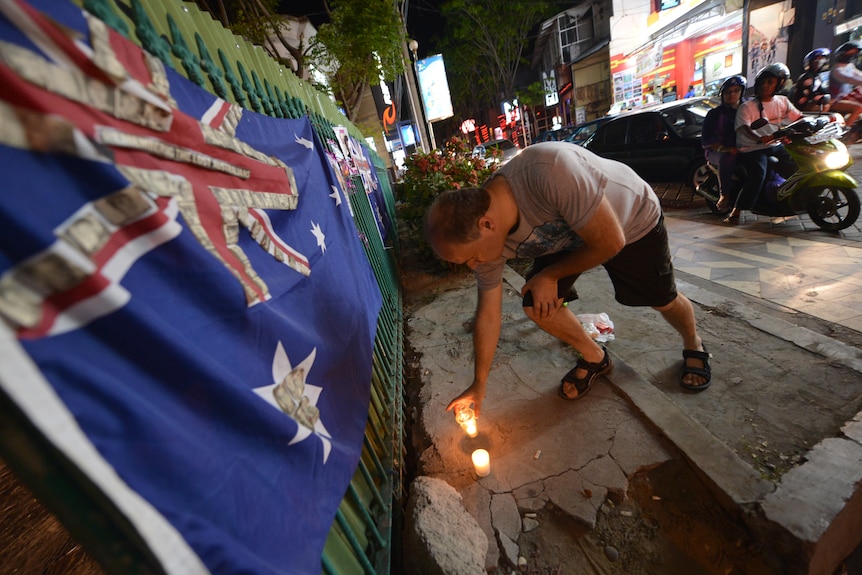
649, 60
549, 81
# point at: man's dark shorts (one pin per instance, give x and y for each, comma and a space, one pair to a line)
642, 273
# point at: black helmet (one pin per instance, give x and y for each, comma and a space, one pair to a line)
847, 52
732, 81
816, 60
775, 70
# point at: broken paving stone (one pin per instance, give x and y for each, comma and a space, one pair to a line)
611, 553
529, 524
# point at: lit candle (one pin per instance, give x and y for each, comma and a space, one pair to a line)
481, 462
467, 420
471, 428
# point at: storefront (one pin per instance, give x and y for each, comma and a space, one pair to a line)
697, 50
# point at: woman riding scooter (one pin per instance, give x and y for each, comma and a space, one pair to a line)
756, 146
718, 138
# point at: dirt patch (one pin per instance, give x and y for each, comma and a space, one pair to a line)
32, 540
668, 524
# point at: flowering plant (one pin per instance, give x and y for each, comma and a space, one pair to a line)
427, 175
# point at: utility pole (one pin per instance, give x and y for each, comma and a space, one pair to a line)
414, 45
415, 103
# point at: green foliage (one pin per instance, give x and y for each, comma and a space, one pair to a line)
532, 95
426, 176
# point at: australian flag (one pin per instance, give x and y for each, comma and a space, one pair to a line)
186, 310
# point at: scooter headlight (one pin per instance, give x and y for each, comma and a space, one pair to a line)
837, 159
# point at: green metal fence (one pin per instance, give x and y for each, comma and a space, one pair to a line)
190, 41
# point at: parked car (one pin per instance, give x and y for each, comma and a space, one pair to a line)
583, 132
660, 142
557, 135
507, 151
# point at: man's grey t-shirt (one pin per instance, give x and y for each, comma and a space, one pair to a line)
558, 187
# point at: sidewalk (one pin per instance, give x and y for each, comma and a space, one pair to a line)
777, 439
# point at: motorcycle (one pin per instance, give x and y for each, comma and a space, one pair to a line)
818, 187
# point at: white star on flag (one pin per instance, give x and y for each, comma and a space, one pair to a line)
282, 369
318, 233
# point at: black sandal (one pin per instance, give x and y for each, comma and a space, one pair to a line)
582, 385
705, 371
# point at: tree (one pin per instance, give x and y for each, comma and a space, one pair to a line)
363, 41
485, 42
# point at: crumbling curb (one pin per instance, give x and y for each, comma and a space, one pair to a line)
441, 537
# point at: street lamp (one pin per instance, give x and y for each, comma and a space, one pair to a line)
428, 128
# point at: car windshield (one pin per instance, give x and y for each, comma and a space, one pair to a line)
687, 121
584, 132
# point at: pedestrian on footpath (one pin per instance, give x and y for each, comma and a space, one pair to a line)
718, 138
571, 211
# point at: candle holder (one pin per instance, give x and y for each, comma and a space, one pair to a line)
466, 418
481, 462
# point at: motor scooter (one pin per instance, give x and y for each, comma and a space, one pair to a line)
818, 187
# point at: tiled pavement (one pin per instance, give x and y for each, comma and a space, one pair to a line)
787, 261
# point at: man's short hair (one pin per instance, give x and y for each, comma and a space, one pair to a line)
453, 216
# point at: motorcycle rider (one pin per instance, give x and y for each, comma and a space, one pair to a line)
813, 84
718, 137
755, 146
845, 81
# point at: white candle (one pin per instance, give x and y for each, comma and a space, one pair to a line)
471, 428
481, 462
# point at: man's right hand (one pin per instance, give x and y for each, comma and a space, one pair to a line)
471, 397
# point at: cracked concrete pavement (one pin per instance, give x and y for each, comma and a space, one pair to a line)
574, 455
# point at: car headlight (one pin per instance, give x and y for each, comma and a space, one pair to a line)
837, 159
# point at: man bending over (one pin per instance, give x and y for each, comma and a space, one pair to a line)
571, 211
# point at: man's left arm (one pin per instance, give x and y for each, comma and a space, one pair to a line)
603, 238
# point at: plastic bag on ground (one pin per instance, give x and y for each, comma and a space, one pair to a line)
598, 325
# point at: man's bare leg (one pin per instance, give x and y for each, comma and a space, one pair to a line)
566, 327
680, 315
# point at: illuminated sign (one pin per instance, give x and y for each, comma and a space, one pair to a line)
660, 5
408, 136
549, 82
435, 88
